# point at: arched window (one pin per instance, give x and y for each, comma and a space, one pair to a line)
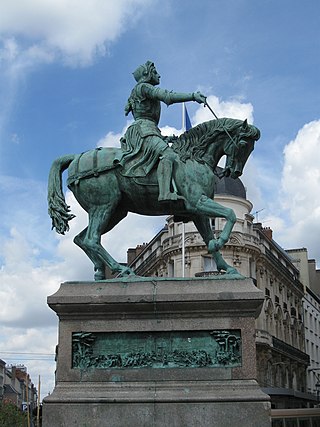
286, 327
278, 315
294, 330
269, 309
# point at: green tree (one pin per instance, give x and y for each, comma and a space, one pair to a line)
11, 416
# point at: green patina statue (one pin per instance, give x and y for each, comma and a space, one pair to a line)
143, 139
151, 174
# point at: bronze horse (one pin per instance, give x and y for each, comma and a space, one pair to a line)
99, 186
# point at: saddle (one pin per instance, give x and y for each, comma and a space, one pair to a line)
93, 163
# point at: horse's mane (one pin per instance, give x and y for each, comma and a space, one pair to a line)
193, 143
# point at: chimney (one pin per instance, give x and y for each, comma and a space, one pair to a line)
267, 232
132, 253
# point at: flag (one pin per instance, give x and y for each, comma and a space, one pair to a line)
186, 122
186, 125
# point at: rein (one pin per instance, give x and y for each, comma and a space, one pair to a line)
226, 131
194, 142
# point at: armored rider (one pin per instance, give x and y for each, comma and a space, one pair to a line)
143, 143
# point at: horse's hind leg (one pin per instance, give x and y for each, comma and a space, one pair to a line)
101, 219
99, 266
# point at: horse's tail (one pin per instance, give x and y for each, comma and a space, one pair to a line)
58, 210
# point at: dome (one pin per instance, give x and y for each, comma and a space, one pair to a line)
230, 186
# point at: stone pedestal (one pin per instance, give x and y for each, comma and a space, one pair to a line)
157, 352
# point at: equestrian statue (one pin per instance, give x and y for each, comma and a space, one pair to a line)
151, 174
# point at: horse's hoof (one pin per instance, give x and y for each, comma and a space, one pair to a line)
131, 274
127, 273
99, 275
232, 271
229, 270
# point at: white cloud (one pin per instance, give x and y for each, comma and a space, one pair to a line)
290, 202
34, 348
27, 323
251, 179
301, 172
112, 139
75, 30
9, 50
300, 189
233, 108
37, 32
169, 130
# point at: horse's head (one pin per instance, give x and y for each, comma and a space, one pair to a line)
238, 148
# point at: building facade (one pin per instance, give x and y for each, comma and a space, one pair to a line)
18, 387
2, 375
310, 278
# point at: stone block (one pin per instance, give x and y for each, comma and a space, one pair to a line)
157, 352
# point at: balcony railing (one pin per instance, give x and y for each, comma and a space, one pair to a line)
292, 351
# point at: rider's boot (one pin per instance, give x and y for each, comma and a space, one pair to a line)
164, 173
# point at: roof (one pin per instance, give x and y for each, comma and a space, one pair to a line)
8, 389
230, 186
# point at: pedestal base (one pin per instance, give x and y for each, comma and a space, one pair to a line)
155, 352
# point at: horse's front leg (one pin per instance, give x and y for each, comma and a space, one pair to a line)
209, 207
204, 227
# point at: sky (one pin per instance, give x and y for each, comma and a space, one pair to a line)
66, 73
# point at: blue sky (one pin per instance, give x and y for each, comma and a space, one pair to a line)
65, 77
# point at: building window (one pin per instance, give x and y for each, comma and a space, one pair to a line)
252, 268
171, 268
209, 264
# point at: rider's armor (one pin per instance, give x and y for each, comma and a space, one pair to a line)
144, 136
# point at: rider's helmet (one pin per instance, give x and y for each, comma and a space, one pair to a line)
143, 72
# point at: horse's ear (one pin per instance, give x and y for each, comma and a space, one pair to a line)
245, 124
